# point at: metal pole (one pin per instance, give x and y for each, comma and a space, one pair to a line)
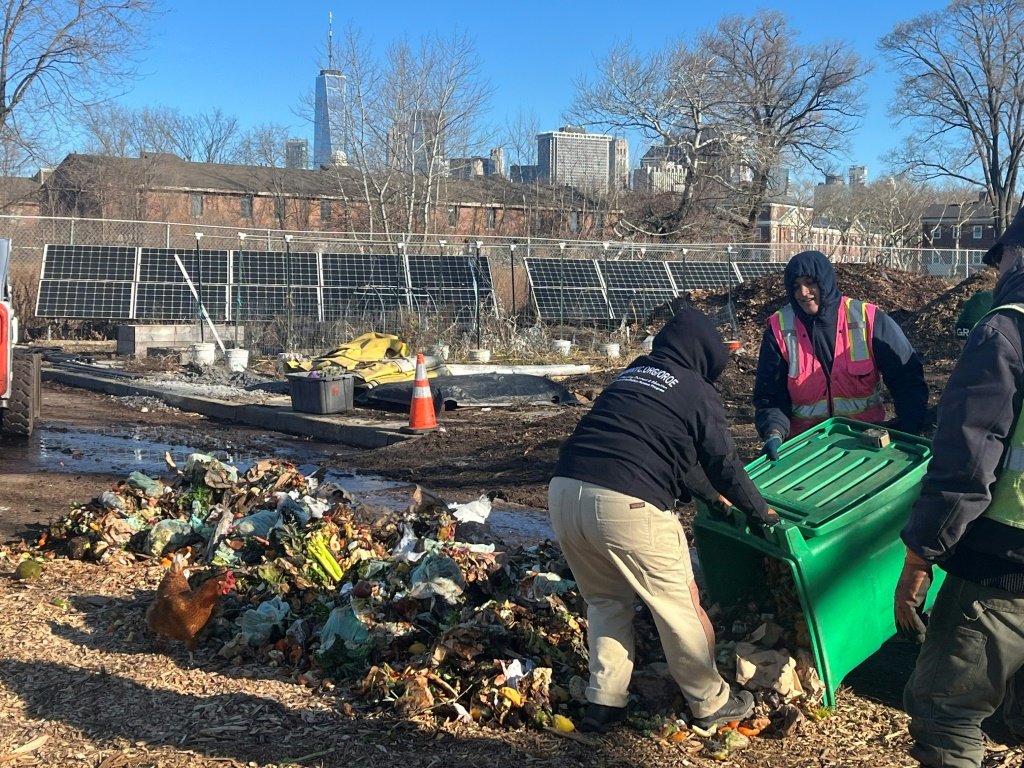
288, 288
478, 281
512, 264
561, 288
199, 285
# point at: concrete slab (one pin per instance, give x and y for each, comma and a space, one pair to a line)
338, 428
136, 340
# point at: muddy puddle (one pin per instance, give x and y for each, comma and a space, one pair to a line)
64, 449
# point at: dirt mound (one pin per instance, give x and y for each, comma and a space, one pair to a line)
931, 329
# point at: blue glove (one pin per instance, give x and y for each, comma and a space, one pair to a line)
771, 448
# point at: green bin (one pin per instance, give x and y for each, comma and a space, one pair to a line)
843, 500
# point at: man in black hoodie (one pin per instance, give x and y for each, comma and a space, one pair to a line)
969, 520
825, 354
656, 435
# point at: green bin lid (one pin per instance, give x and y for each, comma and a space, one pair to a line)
833, 475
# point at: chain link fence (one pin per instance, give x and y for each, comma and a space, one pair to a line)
506, 320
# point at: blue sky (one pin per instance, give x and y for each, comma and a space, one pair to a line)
257, 60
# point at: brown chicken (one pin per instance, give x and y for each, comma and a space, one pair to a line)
180, 612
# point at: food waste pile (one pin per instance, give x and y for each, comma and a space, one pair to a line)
422, 612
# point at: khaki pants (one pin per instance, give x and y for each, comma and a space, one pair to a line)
618, 548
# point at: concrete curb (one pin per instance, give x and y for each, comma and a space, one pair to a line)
334, 428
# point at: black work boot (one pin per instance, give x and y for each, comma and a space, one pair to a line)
739, 706
600, 718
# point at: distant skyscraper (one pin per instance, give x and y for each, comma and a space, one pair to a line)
588, 160
296, 153
417, 146
329, 135
858, 175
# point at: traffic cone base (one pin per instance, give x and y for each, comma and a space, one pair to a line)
421, 407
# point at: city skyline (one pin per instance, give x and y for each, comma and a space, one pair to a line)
259, 62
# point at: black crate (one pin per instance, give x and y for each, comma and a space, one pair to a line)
316, 394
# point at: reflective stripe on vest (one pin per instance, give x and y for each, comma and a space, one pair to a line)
857, 330
1007, 505
841, 406
787, 326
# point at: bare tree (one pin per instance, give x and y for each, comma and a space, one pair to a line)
519, 138
118, 131
962, 87
263, 145
671, 99
731, 109
57, 56
406, 114
789, 102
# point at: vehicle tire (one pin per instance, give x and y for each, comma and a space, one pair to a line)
20, 416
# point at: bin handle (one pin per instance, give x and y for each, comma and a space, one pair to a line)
783, 531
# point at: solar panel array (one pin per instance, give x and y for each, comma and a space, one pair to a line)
566, 290
122, 283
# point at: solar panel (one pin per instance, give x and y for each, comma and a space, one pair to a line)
449, 272
752, 270
175, 302
358, 269
369, 300
702, 274
84, 299
88, 262
268, 302
635, 287
564, 273
275, 268
567, 289
555, 304
157, 265
450, 285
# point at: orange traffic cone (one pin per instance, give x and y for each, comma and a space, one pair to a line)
421, 407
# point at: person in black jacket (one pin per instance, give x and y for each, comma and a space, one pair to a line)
656, 435
792, 393
969, 520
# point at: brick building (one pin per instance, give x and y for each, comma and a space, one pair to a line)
163, 187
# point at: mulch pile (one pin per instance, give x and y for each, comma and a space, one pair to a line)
931, 329
926, 307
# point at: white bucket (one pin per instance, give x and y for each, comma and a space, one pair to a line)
561, 346
203, 353
647, 344
609, 350
479, 355
237, 359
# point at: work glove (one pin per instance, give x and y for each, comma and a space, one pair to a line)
911, 591
771, 446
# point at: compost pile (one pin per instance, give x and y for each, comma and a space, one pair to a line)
900, 294
423, 612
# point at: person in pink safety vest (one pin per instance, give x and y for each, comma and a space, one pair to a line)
824, 354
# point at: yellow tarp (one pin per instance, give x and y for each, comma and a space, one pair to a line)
377, 358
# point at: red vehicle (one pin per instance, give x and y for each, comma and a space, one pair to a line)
20, 369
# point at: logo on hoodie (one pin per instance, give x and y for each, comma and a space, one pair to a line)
651, 376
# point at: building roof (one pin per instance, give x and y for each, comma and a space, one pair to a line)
169, 172
976, 209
